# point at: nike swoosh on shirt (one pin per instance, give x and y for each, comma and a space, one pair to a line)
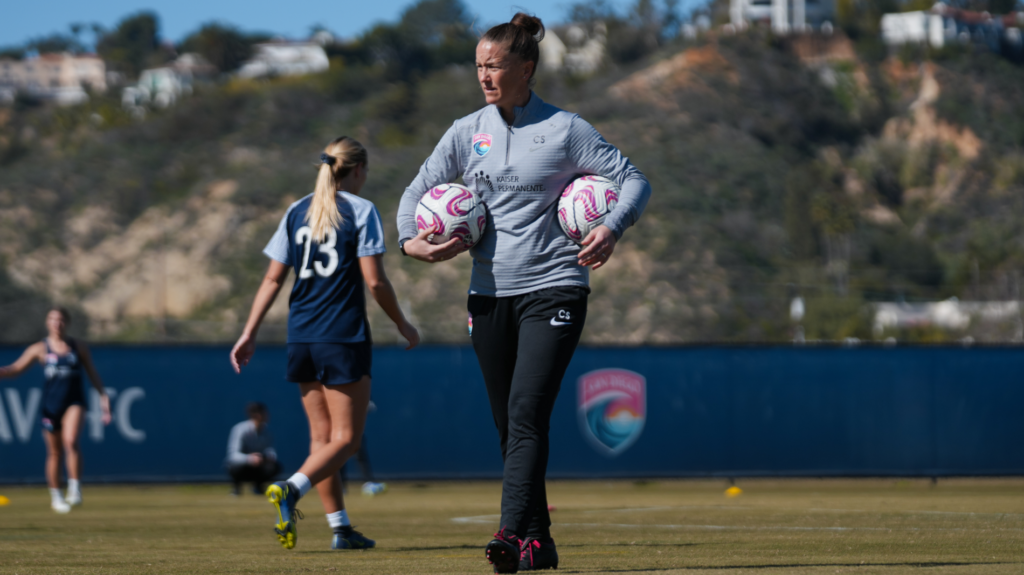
558, 323
535, 148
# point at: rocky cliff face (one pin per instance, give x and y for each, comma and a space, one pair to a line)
162, 265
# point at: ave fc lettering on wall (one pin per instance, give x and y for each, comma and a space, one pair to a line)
24, 414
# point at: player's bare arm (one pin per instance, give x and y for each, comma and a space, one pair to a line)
35, 352
245, 347
94, 378
383, 292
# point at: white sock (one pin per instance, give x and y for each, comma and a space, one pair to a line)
338, 519
301, 482
73, 486
55, 495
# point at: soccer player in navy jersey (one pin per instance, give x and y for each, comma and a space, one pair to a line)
63, 360
334, 241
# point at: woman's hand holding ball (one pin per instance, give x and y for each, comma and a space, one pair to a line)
420, 248
597, 247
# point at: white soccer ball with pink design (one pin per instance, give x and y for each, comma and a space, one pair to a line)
452, 211
584, 205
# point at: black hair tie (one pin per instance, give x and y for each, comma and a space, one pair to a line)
327, 159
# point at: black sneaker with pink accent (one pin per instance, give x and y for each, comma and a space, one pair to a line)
537, 554
503, 552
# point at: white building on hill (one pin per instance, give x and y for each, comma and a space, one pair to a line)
950, 314
163, 86
942, 25
913, 28
784, 16
285, 59
552, 51
160, 87
63, 78
582, 52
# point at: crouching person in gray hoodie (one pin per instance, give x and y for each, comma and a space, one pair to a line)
251, 456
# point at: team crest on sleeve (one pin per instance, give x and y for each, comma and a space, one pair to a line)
481, 144
612, 407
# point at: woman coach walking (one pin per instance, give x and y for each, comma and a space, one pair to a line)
528, 293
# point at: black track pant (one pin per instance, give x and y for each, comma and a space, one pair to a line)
524, 344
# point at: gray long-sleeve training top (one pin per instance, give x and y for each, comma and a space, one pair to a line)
245, 440
520, 170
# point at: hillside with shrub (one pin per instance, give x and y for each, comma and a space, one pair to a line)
811, 166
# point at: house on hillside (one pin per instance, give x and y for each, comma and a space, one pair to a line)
283, 58
552, 52
784, 16
163, 86
62, 78
582, 52
160, 87
950, 314
943, 25
914, 28
194, 65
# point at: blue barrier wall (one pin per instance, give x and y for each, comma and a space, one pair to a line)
706, 411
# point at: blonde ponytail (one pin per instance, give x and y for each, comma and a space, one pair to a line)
323, 213
337, 160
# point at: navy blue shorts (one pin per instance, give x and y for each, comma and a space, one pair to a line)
57, 398
329, 363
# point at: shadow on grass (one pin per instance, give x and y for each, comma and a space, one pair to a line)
436, 548
920, 564
560, 546
569, 546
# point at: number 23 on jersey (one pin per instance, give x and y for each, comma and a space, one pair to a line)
304, 236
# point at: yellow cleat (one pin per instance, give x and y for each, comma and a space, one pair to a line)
284, 498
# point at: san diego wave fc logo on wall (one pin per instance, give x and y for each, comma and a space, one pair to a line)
481, 144
612, 407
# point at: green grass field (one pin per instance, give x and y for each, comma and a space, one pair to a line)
775, 526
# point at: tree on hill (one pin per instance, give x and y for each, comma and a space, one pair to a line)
224, 46
56, 43
133, 45
12, 53
431, 22
430, 35
645, 27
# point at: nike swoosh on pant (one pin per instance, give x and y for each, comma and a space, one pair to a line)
558, 323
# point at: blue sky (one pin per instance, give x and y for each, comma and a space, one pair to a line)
24, 20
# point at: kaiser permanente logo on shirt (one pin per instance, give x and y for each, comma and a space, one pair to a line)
481, 144
512, 184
